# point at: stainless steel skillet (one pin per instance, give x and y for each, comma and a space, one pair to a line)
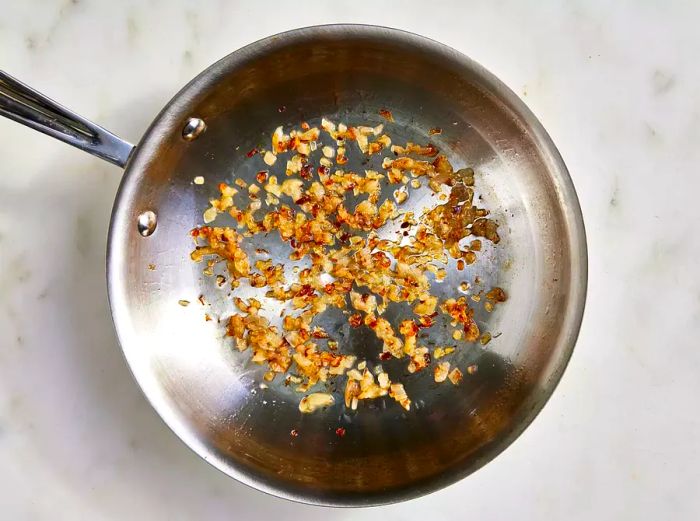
210, 396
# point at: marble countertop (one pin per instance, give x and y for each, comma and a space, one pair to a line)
616, 87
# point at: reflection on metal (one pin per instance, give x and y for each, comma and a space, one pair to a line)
193, 129
146, 223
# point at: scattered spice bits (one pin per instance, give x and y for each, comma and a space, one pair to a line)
472, 369
485, 339
471, 332
398, 393
411, 148
386, 114
419, 360
152, 267
341, 158
184, 303
496, 294
199, 180
351, 265
439, 352
315, 401
378, 145
340, 432
434, 131
455, 376
400, 195
364, 386
209, 215
462, 314
441, 371
269, 158
294, 433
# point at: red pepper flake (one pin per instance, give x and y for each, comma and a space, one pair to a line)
207, 318
319, 333
261, 176
252, 152
340, 432
306, 172
425, 321
195, 232
294, 433
201, 300
386, 114
431, 150
355, 320
386, 355
460, 264
305, 290
323, 170
436, 130
305, 125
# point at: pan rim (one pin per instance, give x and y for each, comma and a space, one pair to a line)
573, 218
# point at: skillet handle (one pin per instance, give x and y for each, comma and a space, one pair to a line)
23, 104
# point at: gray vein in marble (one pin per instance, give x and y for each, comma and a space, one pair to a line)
133, 29
662, 82
83, 234
33, 43
615, 196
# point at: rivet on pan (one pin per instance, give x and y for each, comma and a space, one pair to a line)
193, 128
146, 223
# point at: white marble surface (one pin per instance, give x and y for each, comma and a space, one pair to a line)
618, 89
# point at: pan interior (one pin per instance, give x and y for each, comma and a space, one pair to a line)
210, 394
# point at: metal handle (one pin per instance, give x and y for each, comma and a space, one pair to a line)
31, 108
